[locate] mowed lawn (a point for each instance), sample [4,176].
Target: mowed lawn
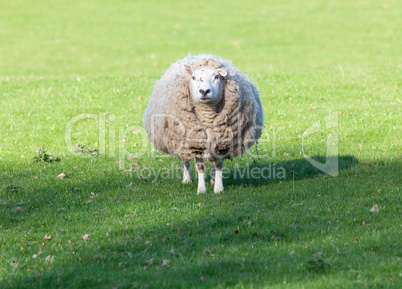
[75,78]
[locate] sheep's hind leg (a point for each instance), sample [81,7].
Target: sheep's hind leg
[199,163]
[187,173]
[218,186]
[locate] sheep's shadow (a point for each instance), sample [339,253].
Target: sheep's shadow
[262,172]
[243,172]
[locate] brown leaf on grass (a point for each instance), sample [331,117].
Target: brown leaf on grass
[165,263]
[62,176]
[88,202]
[19,209]
[374,209]
[85,237]
[47,237]
[36,255]
[50,259]
[179,230]
[132,168]
[105,172]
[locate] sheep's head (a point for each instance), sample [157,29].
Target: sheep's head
[206,83]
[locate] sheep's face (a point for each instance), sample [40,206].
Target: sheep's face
[206,83]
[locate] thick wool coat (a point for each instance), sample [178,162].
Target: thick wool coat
[178,125]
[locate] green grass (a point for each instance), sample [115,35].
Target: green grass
[309,59]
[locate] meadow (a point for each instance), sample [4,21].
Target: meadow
[75,78]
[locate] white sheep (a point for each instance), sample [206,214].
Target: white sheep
[204,108]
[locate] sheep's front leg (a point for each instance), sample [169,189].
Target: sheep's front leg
[199,163]
[187,173]
[217,167]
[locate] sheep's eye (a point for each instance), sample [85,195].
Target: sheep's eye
[216,76]
[193,77]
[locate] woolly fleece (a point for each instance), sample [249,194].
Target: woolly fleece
[178,125]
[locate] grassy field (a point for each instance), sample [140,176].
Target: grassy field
[81,72]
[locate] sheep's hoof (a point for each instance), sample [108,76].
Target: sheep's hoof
[187,181]
[218,190]
[212,181]
[201,191]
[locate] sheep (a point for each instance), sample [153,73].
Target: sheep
[204,108]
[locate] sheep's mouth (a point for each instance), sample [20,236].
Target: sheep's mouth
[204,99]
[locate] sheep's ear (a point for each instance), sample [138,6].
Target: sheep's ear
[188,68]
[222,72]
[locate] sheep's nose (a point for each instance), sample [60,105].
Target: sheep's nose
[205,92]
